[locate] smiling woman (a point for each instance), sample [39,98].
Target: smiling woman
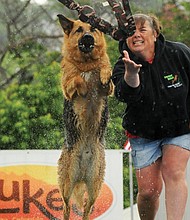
[148,78]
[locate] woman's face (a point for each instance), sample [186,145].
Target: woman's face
[143,40]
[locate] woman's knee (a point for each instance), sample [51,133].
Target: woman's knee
[150,190]
[172,169]
[172,173]
[149,182]
[150,194]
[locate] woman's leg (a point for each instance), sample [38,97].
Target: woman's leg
[149,188]
[174,162]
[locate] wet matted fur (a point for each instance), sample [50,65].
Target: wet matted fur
[86,84]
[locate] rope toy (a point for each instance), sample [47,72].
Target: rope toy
[126,24]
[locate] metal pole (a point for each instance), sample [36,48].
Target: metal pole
[131,184]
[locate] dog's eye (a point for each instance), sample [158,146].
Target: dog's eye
[80,29]
[92,29]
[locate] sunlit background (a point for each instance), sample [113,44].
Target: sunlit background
[41,2]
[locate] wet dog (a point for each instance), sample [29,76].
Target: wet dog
[86,84]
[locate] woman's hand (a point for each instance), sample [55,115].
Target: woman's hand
[130,66]
[131,71]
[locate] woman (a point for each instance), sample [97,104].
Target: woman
[153,78]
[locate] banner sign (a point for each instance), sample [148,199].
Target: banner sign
[29,189]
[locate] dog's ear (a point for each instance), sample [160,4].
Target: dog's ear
[66,24]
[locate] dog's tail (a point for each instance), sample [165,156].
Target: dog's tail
[79,195]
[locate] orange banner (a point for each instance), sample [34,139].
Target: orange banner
[30,192]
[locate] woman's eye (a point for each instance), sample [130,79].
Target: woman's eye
[143,30]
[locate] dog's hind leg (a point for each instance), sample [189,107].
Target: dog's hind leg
[66,209]
[88,207]
[66,189]
[93,192]
[66,195]
[95,179]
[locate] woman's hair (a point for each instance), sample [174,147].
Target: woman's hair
[152,19]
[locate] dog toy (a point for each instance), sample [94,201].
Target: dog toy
[126,24]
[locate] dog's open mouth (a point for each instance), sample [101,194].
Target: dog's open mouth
[86,43]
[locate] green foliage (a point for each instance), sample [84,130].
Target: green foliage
[31,114]
[176,24]
[31,110]
[112,50]
[115,137]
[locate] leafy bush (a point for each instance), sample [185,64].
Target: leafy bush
[31,114]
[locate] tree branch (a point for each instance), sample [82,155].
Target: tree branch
[8,80]
[21,11]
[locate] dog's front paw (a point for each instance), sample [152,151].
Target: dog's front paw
[81,87]
[105,75]
[108,88]
[76,86]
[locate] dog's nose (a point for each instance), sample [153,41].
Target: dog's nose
[86,43]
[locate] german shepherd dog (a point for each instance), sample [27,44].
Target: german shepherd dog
[86,83]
